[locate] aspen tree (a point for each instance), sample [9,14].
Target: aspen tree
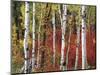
[77,40]
[63,26]
[39,37]
[33,50]
[77,47]
[26,51]
[54,31]
[69,38]
[83,35]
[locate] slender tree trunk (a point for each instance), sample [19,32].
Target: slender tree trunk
[63,26]
[39,33]
[83,35]
[77,47]
[67,54]
[78,21]
[33,50]
[54,31]
[26,51]
[38,54]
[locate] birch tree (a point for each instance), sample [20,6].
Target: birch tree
[33,50]
[54,30]
[39,33]
[78,39]
[83,35]
[26,51]
[67,54]
[70,23]
[77,47]
[63,26]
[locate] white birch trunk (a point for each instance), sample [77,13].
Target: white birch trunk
[54,31]
[33,50]
[26,36]
[63,26]
[83,35]
[77,47]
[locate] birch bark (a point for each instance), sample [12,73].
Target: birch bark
[33,50]
[54,31]
[83,35]
[63,27]
[26,51]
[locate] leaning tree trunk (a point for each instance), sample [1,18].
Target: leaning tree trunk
[53,23]
[33,50]
[26,51]
[83,35]
[63,26]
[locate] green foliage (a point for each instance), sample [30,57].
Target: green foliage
[91,17]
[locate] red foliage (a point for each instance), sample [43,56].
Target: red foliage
[90,46]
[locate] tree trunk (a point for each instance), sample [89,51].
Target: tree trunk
[69,39]
[63,26]
[33,50]
[26,51]
[77,47]
[83,35]
[54,31]
[78,19]
[39,35]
